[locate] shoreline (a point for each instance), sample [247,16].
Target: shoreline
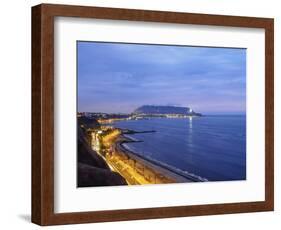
[160,155]
[159,168]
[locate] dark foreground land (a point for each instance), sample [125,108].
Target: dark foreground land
[92,170]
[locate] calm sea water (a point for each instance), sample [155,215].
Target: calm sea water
[212,147]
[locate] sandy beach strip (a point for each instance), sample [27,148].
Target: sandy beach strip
[159,168]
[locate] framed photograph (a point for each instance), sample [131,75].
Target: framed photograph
[142,114]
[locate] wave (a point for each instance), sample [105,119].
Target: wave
[171,168]
[130,137]
[128,148]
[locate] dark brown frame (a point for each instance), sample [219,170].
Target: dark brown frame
[43,113]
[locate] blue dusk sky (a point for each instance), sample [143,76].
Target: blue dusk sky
[119,77]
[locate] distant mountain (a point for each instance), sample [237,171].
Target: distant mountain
[159,109]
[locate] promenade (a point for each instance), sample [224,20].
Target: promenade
[133,168]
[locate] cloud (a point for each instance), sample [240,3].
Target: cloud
[126,75]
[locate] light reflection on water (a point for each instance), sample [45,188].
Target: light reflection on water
[211,147]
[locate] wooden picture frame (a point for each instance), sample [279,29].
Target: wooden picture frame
[43,113]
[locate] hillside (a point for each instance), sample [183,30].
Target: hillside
[159,109]
[92,170]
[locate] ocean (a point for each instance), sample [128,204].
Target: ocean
[209,147]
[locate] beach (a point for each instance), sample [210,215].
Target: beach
[193,147]
[134,167]
[173,150]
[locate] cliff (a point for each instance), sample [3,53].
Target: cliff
[92,170]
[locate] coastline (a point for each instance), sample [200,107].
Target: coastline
[119,145]
[150,169]
[176,173]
